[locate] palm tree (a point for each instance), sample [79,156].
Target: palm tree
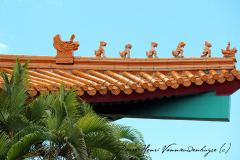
[79,134]
[57,126]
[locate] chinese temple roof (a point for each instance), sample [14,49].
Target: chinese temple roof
[152,87]
[105,79]
[111,79]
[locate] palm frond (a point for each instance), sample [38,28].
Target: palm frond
[128,133]
[92,123]
[50,99]
[106,142]
[71,107]
[16,123]
[101,154]
[85,108]
[24,68]
[70,97]
[75,152]
[35,110]
[4,141]
[18,97]
[4,105]
[62,91]
[21,70]
[19,75]
[7,86]
[56,116]
[25,143]
[29,130]
[77,143]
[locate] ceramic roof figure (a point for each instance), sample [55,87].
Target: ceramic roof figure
[207,50]
[152,51]
[229,52]
[101,50]
[65,49]
[179,50]
[126,51]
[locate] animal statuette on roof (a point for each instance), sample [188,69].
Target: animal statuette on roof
[126,51]
[65,49]
[229,52]
[207,50]
[101,50]
[152,51]
[179,50]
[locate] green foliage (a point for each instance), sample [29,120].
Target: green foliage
[55,126]
[4,141]
[12,99]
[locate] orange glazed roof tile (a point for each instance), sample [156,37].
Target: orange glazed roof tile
[105,79]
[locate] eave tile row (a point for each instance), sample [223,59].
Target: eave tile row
[92,81]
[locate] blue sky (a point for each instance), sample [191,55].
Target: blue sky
[28,27]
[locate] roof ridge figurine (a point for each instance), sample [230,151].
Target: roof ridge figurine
[152,51]
[229,52]
[179,50]
[207,50]
[126,51]
[65,49]
[101,50]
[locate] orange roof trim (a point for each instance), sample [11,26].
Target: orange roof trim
[93,81]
